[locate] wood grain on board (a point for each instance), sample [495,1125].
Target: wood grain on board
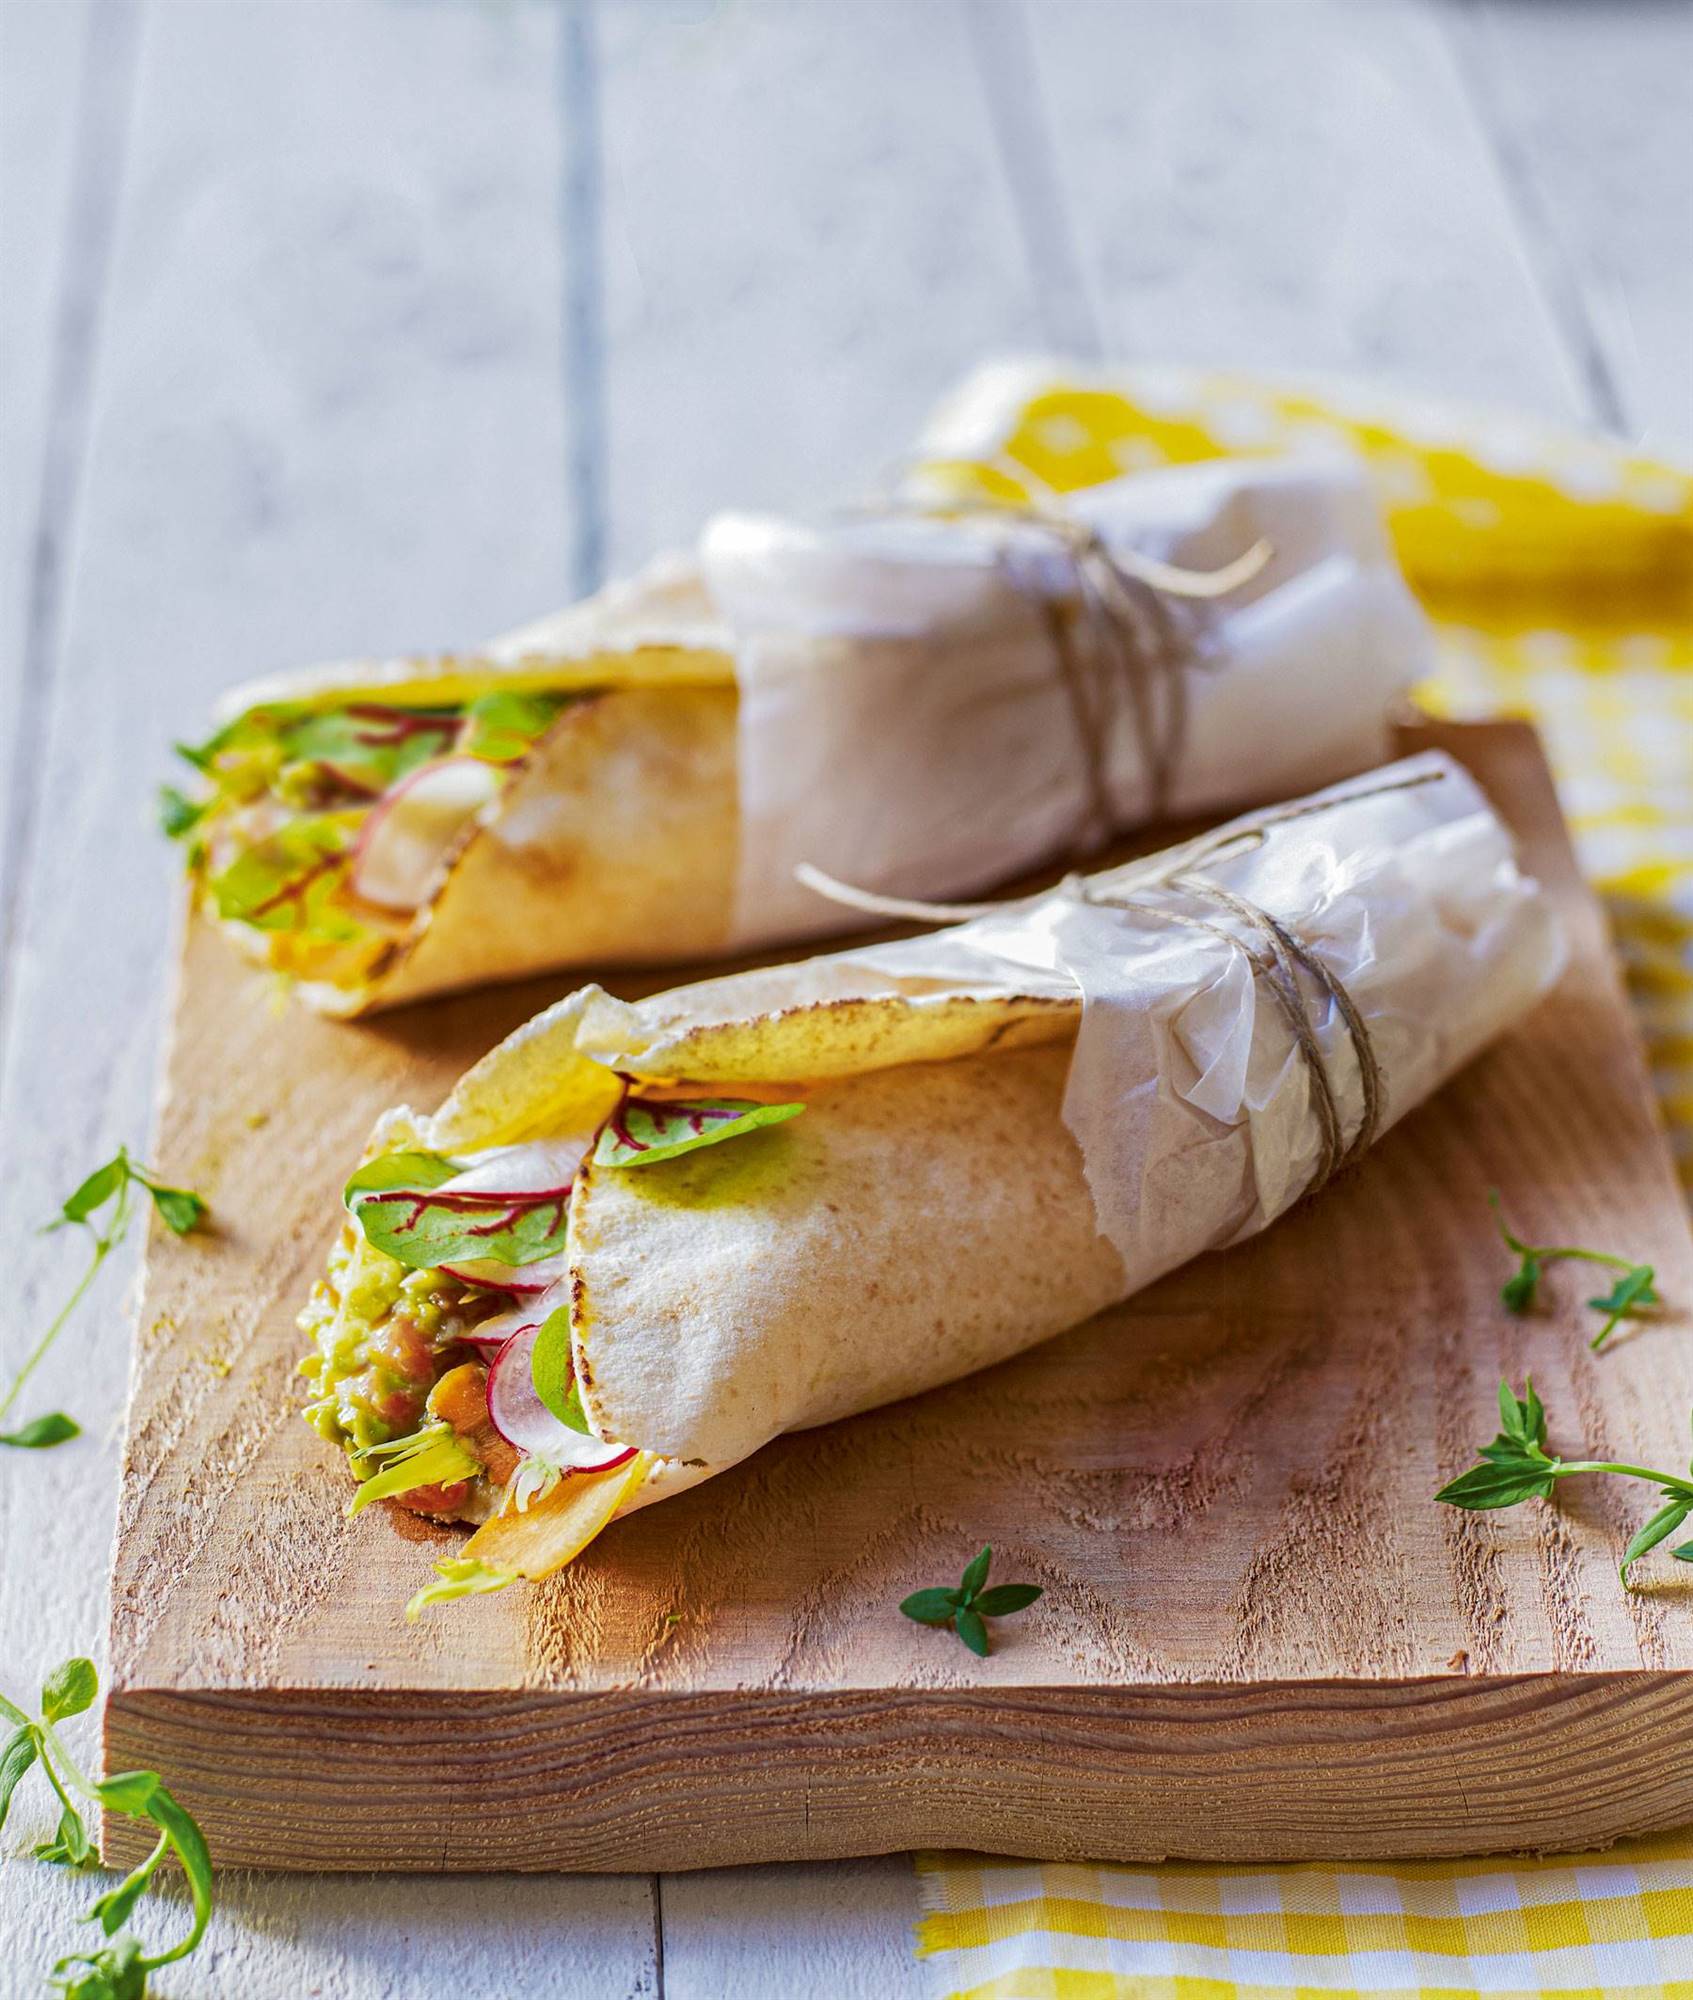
[1260,1636]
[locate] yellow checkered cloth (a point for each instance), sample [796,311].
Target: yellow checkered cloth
[1559,572]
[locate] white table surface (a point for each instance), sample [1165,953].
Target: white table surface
[331,326]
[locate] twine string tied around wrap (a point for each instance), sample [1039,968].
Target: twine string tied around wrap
[1276,952]
[1138,651]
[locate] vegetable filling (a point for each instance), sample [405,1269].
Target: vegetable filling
[443,1359]
[326,828]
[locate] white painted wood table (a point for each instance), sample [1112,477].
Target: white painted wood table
[366,326]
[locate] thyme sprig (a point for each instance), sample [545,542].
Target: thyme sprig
[965,1608]
[1516,1466]
[117,1969]
[101,1205]
[1629,1296]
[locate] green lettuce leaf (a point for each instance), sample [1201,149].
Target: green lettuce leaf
[554,1373]
[641,1132]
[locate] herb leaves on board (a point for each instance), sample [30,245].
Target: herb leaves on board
[965,1608]
[644,1131]
[1516,1466]
[117,1969]
[101,1205]
[1631,1293]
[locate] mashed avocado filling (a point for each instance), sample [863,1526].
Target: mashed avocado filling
[292,792]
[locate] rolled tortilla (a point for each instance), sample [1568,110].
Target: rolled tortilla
[886,698]
[1008,1125]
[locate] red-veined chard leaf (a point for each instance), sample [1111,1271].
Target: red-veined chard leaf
[644,1131]
[288,881]
[423,1222]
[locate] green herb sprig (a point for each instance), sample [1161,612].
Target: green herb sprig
[101,1205]
[1517,1466]
[117,1969]
[965,1608]
[1631,1293]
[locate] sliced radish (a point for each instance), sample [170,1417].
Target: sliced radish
[525,1280]
[522,1419]
[488,1336]
[411,829]
[531,1172]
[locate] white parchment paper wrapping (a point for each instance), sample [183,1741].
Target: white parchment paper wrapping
[1187,1092]
[904,723]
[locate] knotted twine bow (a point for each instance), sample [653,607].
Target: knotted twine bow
[1282,955]
[1138,646]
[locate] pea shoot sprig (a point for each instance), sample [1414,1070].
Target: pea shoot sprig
[1517,1466]
[1629,1296]
[117,1969]
[101,1205]
[965,1608]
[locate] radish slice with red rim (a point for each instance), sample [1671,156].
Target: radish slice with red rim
[523,1420]
[412,829]
[526,1280]
[534,1171]
[490,1335]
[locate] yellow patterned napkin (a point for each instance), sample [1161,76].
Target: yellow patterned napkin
[1559,572]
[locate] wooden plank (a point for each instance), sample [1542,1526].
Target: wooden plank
[807,240]
[329,417]
[1224,1486]
[1588,111]
[1307,191]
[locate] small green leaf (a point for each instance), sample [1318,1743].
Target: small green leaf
[1005,1598]
[97,1189]
[179,814]
[21,1749]
[70,1846]
[461,1576]
[181,1209]
[1494,1485]
[1519,1289]
[69,1689]
[130,1792]
[932,1607]
[117,1971]
[1627,1296]
[969,1627]
[1662,1525]
[644,1132]
[1684,1553]
[40,1432]
[554,1372]
[112,1909]
[975,1573]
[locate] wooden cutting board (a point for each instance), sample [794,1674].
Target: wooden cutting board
[1261,1638]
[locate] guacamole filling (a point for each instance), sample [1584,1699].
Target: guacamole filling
[322,829]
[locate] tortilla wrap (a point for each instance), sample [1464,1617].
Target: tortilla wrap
[1008,1125]
[887,698]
